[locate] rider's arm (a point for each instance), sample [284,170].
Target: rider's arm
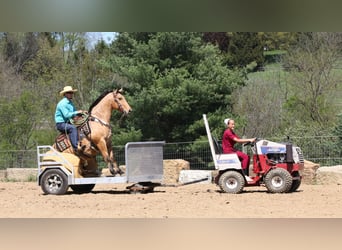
[245,140]
[67,109]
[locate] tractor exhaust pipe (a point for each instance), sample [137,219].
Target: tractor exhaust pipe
[289,154]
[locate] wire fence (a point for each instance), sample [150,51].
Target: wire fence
[322,150]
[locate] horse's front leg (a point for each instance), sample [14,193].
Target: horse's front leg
[108,158]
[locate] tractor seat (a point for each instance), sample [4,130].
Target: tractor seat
[217,146]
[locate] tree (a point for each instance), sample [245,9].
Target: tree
[19,118]
[19,48]
[314,81]
[172,79]
[221,39]
[245,48]
[259,107]
[43,72]
[278,40]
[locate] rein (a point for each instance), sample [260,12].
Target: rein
[79,119]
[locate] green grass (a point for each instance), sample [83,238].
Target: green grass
[274,52]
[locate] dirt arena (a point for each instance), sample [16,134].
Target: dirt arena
[26,200]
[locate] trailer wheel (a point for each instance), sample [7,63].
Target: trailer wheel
[295,183]
[54,181]
[231,182]
[278,180]
[82,188]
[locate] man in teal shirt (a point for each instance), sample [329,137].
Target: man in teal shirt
[66,110]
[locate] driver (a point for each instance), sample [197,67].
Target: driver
[229,138]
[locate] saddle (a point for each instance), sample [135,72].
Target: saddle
[83,129]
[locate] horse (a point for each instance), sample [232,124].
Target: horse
[98,137]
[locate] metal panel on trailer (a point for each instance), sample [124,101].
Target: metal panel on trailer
[144,161]
[99,180]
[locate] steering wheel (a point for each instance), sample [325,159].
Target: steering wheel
[251,143]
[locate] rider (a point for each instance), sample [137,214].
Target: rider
[65,110]
[229,138]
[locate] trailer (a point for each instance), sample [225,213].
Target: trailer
[57,172]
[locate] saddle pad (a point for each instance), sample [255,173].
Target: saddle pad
[62,142]
[84,129]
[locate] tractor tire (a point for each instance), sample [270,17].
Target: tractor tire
[231,182]
[82,188]
[278,180]
[295,183]
[54,181]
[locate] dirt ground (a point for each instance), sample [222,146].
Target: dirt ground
[26,200]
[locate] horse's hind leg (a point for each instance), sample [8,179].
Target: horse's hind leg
[107,155]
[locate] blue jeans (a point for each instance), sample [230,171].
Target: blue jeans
[69,129]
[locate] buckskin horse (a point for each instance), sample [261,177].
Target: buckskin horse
[95,133]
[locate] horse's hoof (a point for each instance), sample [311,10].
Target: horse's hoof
[120,171]
[116,171]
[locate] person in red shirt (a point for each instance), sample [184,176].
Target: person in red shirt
[229,139]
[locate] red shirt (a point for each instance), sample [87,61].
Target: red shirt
[228,141]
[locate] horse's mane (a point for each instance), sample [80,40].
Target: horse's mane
[99,99]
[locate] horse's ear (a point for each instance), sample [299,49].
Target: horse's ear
[116,91]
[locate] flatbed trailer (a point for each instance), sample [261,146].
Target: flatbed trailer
[58,171]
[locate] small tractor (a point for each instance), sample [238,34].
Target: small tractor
[275,165]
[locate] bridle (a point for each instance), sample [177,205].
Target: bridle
[121,109]
[118,102]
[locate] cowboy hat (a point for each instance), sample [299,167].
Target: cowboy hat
[67,89]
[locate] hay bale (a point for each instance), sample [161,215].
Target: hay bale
[172,169]
[309,172]
[188,176]
[329,175]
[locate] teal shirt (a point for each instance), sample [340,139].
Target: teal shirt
[65,110]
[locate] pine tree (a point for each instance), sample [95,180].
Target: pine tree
[245,48]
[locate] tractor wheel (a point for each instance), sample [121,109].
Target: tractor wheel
[231,182]
[82,188]
[295,183]
[54,181]
[278,180]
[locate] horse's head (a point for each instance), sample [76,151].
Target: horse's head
[120,102]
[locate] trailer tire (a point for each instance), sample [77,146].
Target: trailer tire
[295,183]
[278,180]
[54,181]
[231,182]
[82,188]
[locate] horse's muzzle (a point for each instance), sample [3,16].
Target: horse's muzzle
[126,112]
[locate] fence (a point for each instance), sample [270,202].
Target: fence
[322,150]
